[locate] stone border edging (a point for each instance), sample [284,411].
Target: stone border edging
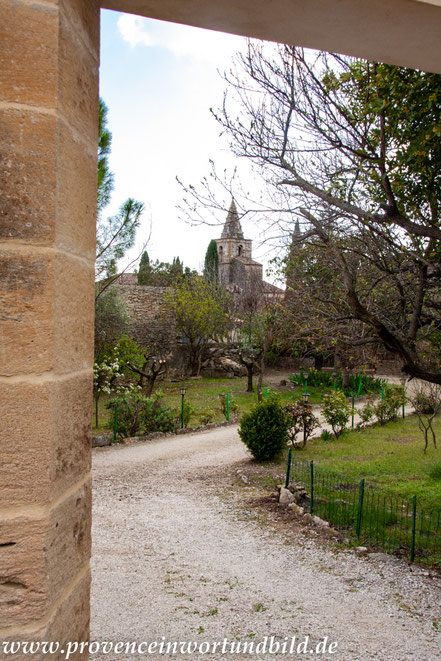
[106,441]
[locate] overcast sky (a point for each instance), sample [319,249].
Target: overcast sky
[159,81]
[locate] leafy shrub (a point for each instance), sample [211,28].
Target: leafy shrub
[156,416]
[326,435]
[264,430]
[387,409]
[138,414]
[301,420]
[366,413]
[189,412]
[361,384]
[234,407]
[336,411]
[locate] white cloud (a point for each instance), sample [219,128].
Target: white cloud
[181,40]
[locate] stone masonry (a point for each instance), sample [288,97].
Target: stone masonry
[151,323]
[48,136]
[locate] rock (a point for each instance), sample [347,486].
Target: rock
[385,557]
[361,550]
[101,441]
[295,508]
[286,497]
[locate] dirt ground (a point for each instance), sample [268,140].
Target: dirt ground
[189,547]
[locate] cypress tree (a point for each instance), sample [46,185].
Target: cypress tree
[211,264]
[144,269]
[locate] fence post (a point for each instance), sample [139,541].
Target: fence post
[266,393]
[288,468]
[311,509]
[412,547]
[353,410]
[360,507]
[115,421]
[228,407]
[382,394]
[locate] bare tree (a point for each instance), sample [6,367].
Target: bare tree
[352,149]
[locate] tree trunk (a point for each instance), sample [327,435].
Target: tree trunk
[260,378]
[250,377]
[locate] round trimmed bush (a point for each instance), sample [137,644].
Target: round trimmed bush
[264,430]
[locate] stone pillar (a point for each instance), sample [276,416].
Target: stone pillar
[48,136]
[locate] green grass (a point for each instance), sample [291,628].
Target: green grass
[390,457]
[203,394]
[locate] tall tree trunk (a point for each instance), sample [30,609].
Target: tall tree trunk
[250,377]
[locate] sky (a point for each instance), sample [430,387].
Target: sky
[159,81]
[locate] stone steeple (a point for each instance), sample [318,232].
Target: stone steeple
[232,228]
[236,265]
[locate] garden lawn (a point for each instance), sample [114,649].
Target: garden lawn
[203,395]
[389,456]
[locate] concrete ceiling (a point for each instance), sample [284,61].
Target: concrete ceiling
[404,32]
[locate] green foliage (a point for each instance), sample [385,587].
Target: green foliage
[211,263]
[366,413]
[233,405]
[336,411]
[189,411]
[434,472]
[360,384]
[326,435]
[301,420]
[137,415]
[144,269]
[386,410]
[206,416]
[115,235]
[200,308]
[105,177]
[264,430]
[162,274]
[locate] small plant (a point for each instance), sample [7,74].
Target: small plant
[138,414]
[301,420]
[233,406]
[387,409]
[336,411]
[366,413]
[326,435]
[427,404]
[264,430]
[189,411]
[206,417]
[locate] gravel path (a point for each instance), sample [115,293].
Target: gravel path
[174,558]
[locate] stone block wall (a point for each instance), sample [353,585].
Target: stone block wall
[151,322]
[48,135]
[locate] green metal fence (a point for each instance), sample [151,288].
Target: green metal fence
[368,513]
